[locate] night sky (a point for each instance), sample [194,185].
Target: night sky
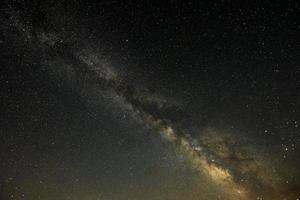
[149,100]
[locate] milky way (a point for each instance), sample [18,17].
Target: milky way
[214,162]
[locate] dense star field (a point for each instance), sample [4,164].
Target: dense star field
[170,100]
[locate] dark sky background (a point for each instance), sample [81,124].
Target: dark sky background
[170,100]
